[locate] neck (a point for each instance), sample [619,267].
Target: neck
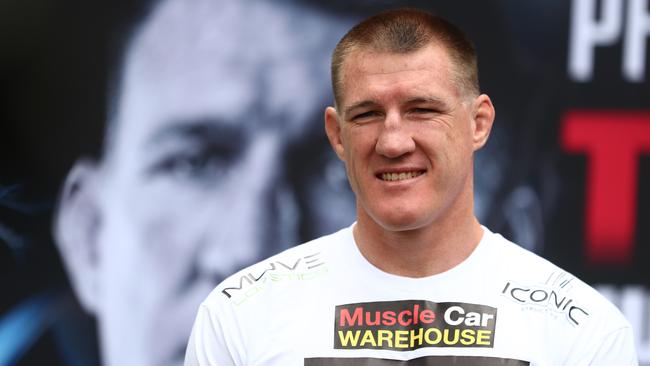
[424,251]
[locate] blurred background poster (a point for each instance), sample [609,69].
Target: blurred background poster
[149,149]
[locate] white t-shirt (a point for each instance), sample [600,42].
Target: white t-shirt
[323,304]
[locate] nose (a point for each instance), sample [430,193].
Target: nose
[394,139]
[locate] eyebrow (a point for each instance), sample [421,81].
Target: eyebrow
[362,104]
[417,100]
[200,129]
[430,100]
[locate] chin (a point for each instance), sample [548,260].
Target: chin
[400,221]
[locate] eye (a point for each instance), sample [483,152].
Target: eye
[364,115]
[423,110]
[201,166]
[422,113]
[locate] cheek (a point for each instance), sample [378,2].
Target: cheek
[448,151]
[360,140]
[359,145]
[150,237]
[165,223]
[350,170]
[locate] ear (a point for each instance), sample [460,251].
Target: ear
[76,227]
[483,117]
[333,130]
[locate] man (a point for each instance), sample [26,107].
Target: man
[416,280]
[204,171]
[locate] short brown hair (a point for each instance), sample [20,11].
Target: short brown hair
[405,31]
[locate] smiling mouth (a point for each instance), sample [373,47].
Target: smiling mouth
[393,177]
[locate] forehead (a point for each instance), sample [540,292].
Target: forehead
[367,72]
[235,62]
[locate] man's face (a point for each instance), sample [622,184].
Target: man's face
[202,179]
[406,137]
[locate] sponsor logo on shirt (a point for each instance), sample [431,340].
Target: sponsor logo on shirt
[550,297]
[248,284]
[421,361]
[411,324]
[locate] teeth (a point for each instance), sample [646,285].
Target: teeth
[399,176]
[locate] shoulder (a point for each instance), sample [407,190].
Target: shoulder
[283,272]
[533,281]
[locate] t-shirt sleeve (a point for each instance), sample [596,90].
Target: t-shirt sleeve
[209,342]
[616,349]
